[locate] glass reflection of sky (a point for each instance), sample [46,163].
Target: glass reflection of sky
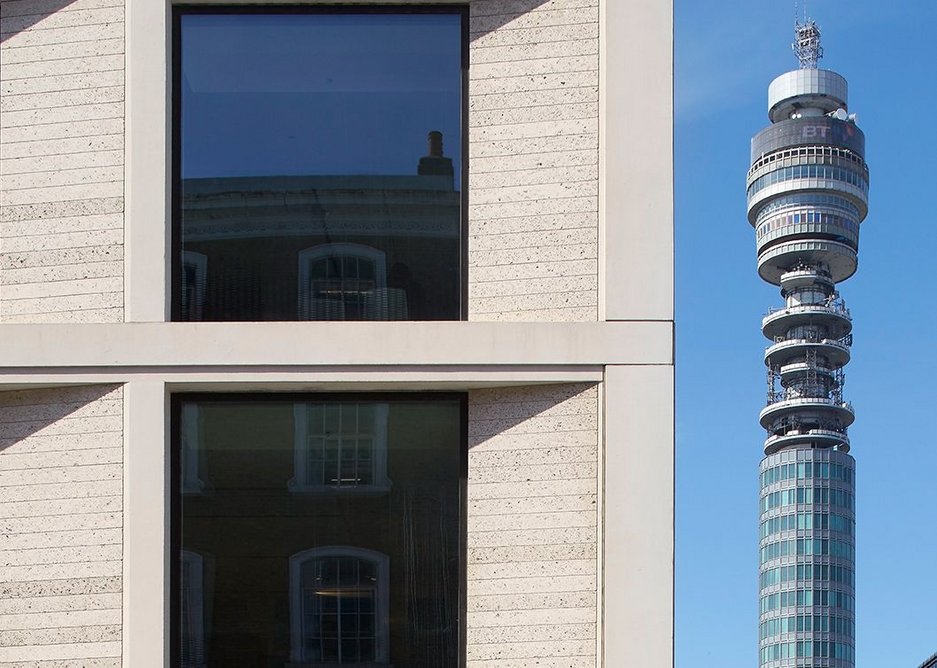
[296,94]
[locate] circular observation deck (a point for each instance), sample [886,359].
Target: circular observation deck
[834,317]
[818,438]
[807,409]
[788,351]
[839,258]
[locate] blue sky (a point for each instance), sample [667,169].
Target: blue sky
[726,54]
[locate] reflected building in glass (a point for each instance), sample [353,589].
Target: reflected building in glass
[807,194]
[372,247]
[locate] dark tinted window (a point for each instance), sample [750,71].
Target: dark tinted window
[318,531]
[318,165]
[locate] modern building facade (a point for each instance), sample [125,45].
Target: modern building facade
[807,194]
[336,334]
[930,663]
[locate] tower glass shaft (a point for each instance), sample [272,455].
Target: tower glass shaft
[807,195]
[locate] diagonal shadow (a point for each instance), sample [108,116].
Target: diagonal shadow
[498,411]
[487,16]
[19,15]
[23,413]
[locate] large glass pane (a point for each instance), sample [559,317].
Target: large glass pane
[319,165]
[275,569]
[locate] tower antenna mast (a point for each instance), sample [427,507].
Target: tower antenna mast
[806,44]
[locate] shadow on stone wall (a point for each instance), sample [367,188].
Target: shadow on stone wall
[23,413]
[19,15]
[487,16]
[550,412]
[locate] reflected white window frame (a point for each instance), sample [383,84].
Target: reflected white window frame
[381,608]
[191,483]
[337,250]
[299,482]
[200,262]
[193,612]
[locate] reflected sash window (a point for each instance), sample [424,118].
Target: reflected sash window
[339,606]
[341,446]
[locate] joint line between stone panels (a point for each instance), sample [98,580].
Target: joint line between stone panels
[43,252]
[547,448]
[481,126]
[43,141]
[48,234]
[518,642]
[516,154]
[526,280]
[482,235]
[33,30]
[538,511]
[506,28]
[529,433]
[64,75]
[69,417]
[476,172]
[528,60]
[590,604]
[533,11]
[18,221]
[40,142]
[15,301]
[528,497]
[527,531]
[120,179]
[42,61]
[53,612]
[56,498]
[76,73]
[62,123]
[65,170]
[72,248]
[494,77]
[58,531]
[70,514]
[73,402]
[585,462]
[512,186]
[532,91]
[69,153]
[64,10]
[526,201]
[68,467]
[527,77]
[63,90]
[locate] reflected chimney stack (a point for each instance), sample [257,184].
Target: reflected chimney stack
[434,139]
[434,163]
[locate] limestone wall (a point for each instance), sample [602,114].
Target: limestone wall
[61,161]
[61,527]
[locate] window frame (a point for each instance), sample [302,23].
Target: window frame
[175,219]
[175,460]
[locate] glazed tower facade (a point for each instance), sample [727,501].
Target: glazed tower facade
[807,195]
